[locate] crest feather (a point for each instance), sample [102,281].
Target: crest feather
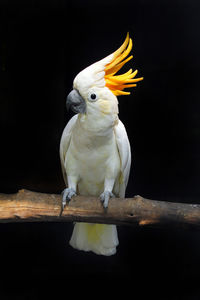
[117,83]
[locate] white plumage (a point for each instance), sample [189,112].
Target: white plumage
[94,150]
[89,156]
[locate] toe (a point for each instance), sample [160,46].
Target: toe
[63,204]
[67,194]
[71,194]
[106,199]
[105,196]
[64,196]
[102,197]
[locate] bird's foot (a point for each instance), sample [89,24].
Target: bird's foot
[105,196]
[67,194]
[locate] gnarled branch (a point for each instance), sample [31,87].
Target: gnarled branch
[28,206]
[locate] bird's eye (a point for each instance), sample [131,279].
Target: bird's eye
[92,96]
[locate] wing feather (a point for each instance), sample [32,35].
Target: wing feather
[64,143]
[125,155]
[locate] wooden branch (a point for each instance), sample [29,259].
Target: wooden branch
[27,206]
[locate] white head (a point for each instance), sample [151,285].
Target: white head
[96,87]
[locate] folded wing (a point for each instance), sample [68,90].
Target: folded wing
[125,155]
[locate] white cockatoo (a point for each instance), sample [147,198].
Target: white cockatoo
[94,149]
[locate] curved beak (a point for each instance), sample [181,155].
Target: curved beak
[76,102]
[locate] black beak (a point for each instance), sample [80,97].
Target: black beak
[76,102]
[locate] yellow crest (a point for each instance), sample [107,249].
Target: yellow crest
[117,83]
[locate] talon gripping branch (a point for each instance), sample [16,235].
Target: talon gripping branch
[94,150]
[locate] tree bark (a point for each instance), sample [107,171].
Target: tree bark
[28,206]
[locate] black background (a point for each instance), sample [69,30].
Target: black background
[43,45]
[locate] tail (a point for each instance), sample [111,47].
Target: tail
[100,238]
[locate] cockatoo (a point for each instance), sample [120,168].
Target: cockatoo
[94,149]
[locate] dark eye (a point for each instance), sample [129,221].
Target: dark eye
[92,96]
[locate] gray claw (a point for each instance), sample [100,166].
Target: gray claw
[67,194]
[105,196]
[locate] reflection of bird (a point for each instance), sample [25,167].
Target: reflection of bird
[94,150]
